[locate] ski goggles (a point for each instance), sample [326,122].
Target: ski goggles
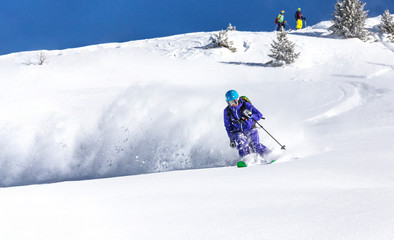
[233,102]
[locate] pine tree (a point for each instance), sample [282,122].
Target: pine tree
[221,40]
[349,19]
[231,27]
[282,50]
[387,24]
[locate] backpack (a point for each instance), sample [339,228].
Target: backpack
[246,99]
[276,20]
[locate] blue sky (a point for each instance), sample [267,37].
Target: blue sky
[59,24]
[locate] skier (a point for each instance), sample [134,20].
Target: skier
[239,118]
[299,17]
[280,20]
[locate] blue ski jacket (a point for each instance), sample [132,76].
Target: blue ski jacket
[233,118]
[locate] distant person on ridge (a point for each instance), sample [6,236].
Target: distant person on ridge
[299,17]
[280,21]
[239,119]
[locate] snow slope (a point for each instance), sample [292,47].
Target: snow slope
[157,105]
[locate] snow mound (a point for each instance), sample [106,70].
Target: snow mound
[157,105]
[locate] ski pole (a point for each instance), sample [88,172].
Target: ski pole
[283,147]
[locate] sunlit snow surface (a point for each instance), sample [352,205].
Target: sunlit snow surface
[157,105]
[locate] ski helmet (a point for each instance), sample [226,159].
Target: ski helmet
[299,9]
[231,95]
[283,11]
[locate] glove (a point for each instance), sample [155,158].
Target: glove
[233,143]
[304,18]
[248,113]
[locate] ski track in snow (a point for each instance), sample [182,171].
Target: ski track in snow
[349,100]
[357,95]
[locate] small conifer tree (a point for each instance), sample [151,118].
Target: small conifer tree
[221,40]
[349,19]
[231,27]
[387,24]
[282,50]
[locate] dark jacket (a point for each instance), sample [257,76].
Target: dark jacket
[298,15]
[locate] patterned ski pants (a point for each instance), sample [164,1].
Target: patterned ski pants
[250,143]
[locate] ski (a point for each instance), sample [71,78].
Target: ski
[242,164]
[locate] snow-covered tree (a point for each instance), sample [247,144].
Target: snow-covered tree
[39,59]
[387,24]
[349,19]
[231,27]
[282,50]
[42,58]
[221,40]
